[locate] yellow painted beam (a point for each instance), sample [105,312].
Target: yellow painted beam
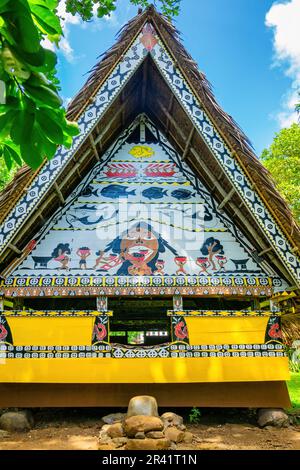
[144,370]
[230,330]
[47,331]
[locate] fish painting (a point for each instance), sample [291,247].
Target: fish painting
[181,194]
[154,193]
[88,215]
[115,191]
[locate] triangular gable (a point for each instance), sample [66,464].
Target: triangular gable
[141,212]
[146,43]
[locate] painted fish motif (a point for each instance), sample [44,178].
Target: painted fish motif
[181,194]
[115,191]
[86,214]
[154,193]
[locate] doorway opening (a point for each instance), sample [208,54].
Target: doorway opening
[140,321]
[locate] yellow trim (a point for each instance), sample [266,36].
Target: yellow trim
[145,370]
[226,330]
[48,331]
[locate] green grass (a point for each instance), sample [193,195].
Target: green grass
[294,390]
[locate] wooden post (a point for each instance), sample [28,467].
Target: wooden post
[177,303]
[101,303]
[274,306]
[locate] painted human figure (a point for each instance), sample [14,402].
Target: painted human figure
[203,263]
[83,253]
[160,264]
[139,247]
[180,261]
[222,260]
[60,254]
[104,263]
[139,250]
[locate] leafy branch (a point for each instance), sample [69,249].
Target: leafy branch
[32,119]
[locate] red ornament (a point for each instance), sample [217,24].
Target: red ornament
[274,331]
[148,39]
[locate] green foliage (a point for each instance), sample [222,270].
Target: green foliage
[294,390]
[293,355]
[194,416]
[32,120]
[282,159]
[105,7]
[6,174]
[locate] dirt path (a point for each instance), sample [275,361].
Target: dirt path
[67,430]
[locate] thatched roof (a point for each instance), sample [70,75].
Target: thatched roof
[227,127]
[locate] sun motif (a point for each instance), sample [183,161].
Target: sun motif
[141,151]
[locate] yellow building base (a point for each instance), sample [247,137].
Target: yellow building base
[145,370]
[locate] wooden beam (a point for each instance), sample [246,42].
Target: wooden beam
[226,199]
[267,250]
[145,82]
[94,147]
[168,111]
[106,128]
[14,248]
[188,143]
[59,193]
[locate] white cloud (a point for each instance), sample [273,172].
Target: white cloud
[67,20]
[284,18]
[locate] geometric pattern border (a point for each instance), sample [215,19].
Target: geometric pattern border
[54,313]
[222,313]
[173,350]
[140,281]
[255,291]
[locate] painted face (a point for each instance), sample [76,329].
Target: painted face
[139,246]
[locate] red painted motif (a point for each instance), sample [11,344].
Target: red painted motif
[121,170]
[181,330]
[100,331]
[3,332]
[275,331]
[160,170]
[148,39]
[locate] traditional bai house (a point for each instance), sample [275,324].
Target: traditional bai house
[152,257]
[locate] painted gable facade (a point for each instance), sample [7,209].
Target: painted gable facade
[143,224]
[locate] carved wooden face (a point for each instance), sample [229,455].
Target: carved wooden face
[139,245]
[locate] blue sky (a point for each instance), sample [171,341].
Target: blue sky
[245,47]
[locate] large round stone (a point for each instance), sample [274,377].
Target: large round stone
[115,430]
[174,434]
[144,424]
[272,417]
[142,405]
[16,421]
